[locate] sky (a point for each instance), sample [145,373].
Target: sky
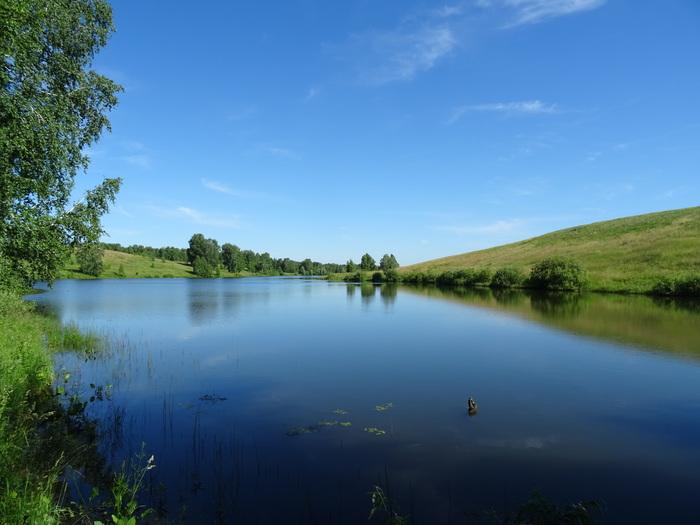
[325,130]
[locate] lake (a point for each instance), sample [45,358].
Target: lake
[280,400]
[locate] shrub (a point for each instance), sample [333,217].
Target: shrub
[202,268]
[507,277]
[664,286]
[558,273]
[689,287]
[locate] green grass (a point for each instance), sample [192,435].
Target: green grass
[125,265]
[26,373]
[622,255]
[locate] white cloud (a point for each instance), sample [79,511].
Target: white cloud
[493,228]
[142,161]
[220,187]
[207,219]
[314,91]
[414,46]
[535,11]
[195,216]
[527,107]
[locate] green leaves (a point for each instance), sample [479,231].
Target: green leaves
[52,106]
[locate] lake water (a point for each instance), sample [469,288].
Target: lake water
[277,400]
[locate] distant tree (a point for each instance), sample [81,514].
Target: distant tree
[89,257]
[350,266]
[202,268]
[231,257]
[306,267]
[264,264]
[367,263]
[52,109]
[205,248]
[388,262]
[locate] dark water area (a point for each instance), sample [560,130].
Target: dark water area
[273,400]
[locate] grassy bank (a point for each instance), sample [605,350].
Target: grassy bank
[119,265]
[26,375]
[623,255]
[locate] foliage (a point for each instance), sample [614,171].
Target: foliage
[26,373]
[207,249]
[388,262]
[350,266]
[385,507]
[539,511]
[507,277]
[52,108]
[367,263]
[231,257]
[558,273]
[202,268]
[126,485]
[89,257]
[678,286]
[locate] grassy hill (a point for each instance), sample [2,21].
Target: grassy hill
[126,265]
[628,254]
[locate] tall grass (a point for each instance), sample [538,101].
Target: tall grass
[26,373]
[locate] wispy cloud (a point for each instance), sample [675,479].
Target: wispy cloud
[191,215]
[528,107]
[220,187]
[493,228]
[313,92]
[414,46]
[207,219]
[536,11]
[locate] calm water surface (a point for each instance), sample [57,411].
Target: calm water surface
[582,397]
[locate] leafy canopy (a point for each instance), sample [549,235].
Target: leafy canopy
[52,107]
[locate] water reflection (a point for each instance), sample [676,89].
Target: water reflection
[669,325]
[309,393]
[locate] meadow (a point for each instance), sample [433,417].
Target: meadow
[630,254]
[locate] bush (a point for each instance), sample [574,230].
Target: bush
[507,277]
[202,268]
[664,286]
[689,287]
[685,287]
[558,273]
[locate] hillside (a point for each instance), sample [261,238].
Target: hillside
[628,254]
[119,264]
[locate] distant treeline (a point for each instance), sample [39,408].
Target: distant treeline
[206,256]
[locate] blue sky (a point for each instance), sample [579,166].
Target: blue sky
[325,129]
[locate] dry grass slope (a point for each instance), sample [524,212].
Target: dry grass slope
[628,254]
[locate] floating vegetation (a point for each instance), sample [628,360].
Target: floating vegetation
[212,398]
[298,431]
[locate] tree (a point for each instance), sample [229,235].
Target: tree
[388,262]
[231,257]
[89,257]
[202,268]
[350,266]
[367,263]
[52,108]
[208,249]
